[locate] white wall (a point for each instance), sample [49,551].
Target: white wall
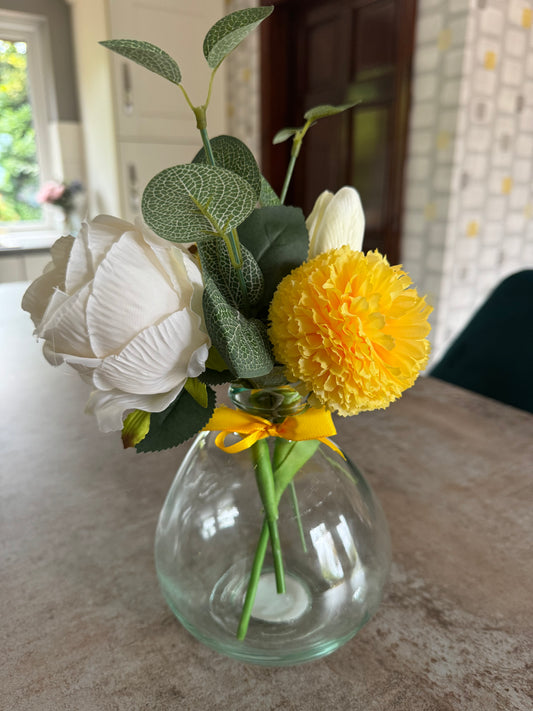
[244,86]
[468,218]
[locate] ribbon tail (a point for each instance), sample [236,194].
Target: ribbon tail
[332,446]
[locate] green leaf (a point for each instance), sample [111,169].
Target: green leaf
[135,428]
[197,389]
[215,360]
[234,155]
[229,32]
[216,262]
[243,343]
[216,377]
[148,56]
[190,203]
[284,134]
[181,420]
[324,110]
[278,239]
[267,196]
[297,455]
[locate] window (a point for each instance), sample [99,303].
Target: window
[27,103]
[19,167]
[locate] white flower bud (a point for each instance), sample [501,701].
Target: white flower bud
[336,220]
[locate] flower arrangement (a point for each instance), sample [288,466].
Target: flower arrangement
[221,282]
[62,195]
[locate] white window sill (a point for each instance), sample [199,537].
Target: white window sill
[27,241]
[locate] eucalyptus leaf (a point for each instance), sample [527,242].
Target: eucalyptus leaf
[216,262]
[243,343]
[234,155]
[267,196]
[324,110]
[192,202]
[284,134]
[181,420]
[229,32]
[148,56]
[278,239]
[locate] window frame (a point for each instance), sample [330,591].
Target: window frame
[33,30]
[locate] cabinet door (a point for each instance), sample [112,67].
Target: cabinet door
[139,162]
[148,106]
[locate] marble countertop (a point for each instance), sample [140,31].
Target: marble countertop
[84,626]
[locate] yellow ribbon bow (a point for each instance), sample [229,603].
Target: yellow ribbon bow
[311,424]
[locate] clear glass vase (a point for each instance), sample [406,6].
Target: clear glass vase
[211,537]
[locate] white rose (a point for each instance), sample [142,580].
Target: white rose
[336,220]
[124,308]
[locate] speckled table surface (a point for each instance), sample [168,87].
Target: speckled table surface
[84,626]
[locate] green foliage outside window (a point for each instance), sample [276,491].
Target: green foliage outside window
[19,169]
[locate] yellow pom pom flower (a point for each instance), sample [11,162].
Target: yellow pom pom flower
[351,329]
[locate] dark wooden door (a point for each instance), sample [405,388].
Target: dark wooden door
[334,52]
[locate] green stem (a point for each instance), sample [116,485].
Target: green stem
[288,176]
[265,483]
[296,509]
[187,98]
[209,90]
[207,146]
[257,567]
[295,151]
[291,456]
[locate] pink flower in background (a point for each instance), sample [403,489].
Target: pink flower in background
[50,192]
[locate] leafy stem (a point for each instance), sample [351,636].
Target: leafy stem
[207,146]
[311,116]
[210,88]
[251,591]
[267,490]
[232,241]
[187,97]
[288,460]
[295,151]
[200,113]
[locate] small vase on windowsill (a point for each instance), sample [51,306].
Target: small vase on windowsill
[66,222]
[211,540]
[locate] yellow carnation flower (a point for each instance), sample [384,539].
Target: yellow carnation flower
[350,329]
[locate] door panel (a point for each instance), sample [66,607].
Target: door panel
[339,51]
[371,156]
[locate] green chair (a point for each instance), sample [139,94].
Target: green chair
[493,355]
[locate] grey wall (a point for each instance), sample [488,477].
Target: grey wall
[58,14]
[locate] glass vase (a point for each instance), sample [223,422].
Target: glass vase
[212,540]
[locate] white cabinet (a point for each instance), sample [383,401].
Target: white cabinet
[23,266]
[155,126]
[146,104]
[135,122]
[140,161]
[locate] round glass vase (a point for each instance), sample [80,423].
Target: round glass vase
[211,540]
